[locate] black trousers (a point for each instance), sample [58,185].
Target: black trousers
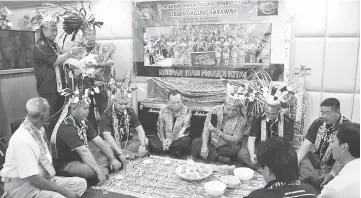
[227,150]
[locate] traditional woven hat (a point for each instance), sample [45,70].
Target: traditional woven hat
[50,20]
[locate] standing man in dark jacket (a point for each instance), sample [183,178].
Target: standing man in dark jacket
[47,58]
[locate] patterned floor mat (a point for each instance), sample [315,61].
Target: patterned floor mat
[153,178]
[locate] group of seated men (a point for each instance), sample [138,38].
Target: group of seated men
[29,166]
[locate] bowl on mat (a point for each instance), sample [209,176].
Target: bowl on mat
[230,180]
[215,188]
[243,173]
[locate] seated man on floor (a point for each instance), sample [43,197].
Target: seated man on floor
[121,128]
[69,143]
[28,171]
[222,134]
[278,161]
[314,155]
[272,123]
[173,127]
[346,151]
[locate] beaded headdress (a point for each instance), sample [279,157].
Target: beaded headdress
[259,92]
[78,98]
[121,91]
[50,20]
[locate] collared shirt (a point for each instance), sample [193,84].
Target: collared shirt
[69,137]
[232,126]
[345,184]
[272,128]
[321,135]
[22,157]
[170,125]
[283,191]
[106,121]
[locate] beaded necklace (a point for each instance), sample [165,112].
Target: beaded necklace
[59,84]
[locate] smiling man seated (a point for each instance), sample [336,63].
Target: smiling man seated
[220,140]
[70,143]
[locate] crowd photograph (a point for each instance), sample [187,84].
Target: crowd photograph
[230,45]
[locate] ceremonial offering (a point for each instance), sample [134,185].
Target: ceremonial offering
[193,172]
[230,180]
[244,174]
[157,180]
[215,188]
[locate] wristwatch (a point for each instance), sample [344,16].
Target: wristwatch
[142,143]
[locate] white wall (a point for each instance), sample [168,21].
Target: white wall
[326,40]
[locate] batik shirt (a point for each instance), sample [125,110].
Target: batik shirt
[169,125]
[321,135]
[235,125]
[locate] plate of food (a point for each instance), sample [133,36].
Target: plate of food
[193,172]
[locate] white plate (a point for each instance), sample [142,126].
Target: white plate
[167,162]
[180,167]
[148,161]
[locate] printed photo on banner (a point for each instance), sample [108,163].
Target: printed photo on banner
[202,39]
[213,45]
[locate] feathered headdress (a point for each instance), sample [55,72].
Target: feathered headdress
[75,20]
[121,91]
[257,92]
[77,98]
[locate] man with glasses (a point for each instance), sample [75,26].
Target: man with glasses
[315,151]
[173,127]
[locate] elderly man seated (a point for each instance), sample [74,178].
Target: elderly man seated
[173,127]
[70,143]
[28,171]
[222,132]
[272,123]
[315,156]
[121,128]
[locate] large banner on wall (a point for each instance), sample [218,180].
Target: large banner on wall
[204,39]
